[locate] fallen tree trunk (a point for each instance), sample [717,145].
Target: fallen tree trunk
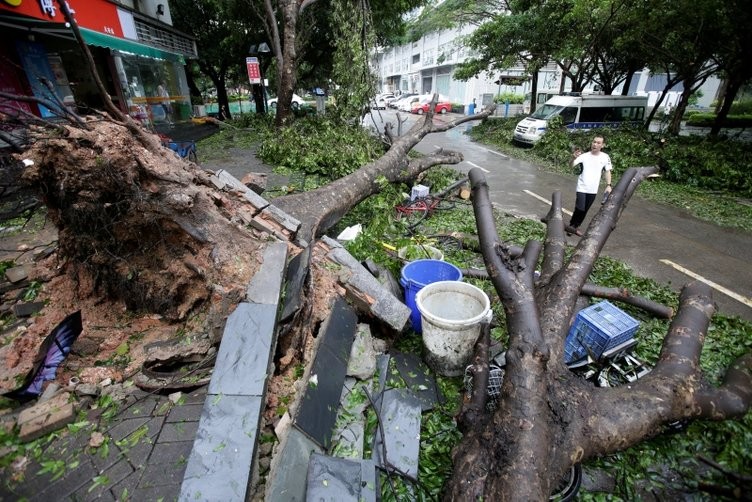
[547,417]
[318,210]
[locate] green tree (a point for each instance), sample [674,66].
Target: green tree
[292,27]
[682,37]
[732,55]
[223,34]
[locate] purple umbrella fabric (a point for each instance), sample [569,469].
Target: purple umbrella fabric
[52,352]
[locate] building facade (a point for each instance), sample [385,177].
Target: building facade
[427,66]
[133,44]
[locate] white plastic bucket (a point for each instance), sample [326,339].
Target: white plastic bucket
[420,252]
[451,314]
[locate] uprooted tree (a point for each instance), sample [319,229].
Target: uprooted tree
[138,223]
[548,418]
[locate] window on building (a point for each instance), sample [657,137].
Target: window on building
[416,58]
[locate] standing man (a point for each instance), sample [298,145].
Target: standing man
[594,163]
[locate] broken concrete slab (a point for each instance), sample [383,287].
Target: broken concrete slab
[317,410]
[245,354]
[43,418]
[349,435]
[418,378]
[219,465]
[400,416]
[297,271]
[287,478]
[266,285]
[26,309]
[382,303]
[362,363]
[17,274]
[331,478]
[228,180]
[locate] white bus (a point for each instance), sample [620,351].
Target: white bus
[582,112]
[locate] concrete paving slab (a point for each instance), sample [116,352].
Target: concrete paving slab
[266,285]
[400,419]
[287,479]
[186,412]
[331,478]
[171,455]
[245,351]
[318,408]
[177,431]
[100,490]
[220,462]
[71,481]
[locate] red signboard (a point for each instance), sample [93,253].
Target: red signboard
[254,70]
[97,15]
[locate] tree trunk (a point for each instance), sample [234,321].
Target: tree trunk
[548,418]
[730,91]
[288,62]
[320,209]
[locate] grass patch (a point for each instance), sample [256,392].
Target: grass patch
[704,177]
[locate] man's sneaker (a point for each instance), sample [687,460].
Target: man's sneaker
[569,229]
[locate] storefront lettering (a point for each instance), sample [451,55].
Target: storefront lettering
[48,7]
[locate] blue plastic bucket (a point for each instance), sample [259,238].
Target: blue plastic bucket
[420,273]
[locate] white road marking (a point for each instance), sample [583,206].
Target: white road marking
[476,165]
[497,153]
[736,296]
[541,198]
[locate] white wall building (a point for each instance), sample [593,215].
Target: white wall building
[427,66]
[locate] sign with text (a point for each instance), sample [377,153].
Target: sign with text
[97,15]
[254,70]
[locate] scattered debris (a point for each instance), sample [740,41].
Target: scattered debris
[43,418]
[51,353]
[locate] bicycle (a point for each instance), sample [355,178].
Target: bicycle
[415,211]
[184,149]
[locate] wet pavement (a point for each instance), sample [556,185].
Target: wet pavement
[149,442]
[663,243]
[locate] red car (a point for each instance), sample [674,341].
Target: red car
[423,106]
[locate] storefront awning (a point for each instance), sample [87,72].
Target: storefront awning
[121,44]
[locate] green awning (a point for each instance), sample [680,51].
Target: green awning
[120,44]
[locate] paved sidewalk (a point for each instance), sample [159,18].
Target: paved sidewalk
[144,455]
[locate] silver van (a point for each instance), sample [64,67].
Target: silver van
[582,112]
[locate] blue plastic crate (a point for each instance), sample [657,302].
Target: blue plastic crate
[597,329]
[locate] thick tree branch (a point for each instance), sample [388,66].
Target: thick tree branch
[474,411]
[560,295]
[555,243]
[625,296]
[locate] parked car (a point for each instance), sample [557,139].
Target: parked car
[379,102]
[398,102]
[390,98]
[424,105]
[297,102]
[406,104]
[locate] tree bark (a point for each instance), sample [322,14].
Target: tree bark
[320,209]
[548,418]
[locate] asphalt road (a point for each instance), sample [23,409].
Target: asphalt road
[660,242]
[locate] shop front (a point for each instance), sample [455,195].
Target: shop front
[40,57]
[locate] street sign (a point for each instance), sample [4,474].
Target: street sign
[254,70]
